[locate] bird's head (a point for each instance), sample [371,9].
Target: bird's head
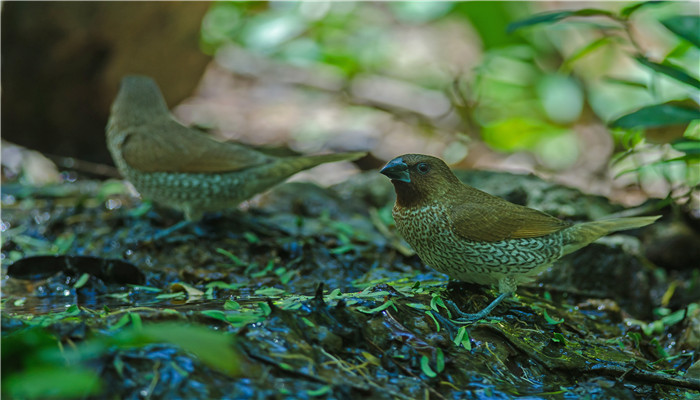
[139,100]
[419,179]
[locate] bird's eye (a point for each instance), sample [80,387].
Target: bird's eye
[423,168]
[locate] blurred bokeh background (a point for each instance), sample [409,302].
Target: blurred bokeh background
[602,96]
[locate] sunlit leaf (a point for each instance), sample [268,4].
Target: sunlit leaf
[657,115]
[556,16]
[518,133]
[220,25]
[561,98]
[685,26]
[421,11]
[425,367]
[673,71]
[267,31]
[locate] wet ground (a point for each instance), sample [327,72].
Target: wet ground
[308,293]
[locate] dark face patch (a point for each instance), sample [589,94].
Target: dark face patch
[425,178]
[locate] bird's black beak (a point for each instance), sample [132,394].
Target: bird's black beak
[397,170]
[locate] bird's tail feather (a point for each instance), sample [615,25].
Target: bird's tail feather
[296,164]
[284,167]
[581,235]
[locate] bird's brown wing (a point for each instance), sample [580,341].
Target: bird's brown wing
[491,221]
[168,146]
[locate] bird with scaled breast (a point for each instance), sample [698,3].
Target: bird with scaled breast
[476,237]
[184,168]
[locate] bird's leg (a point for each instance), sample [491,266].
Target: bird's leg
[465,317]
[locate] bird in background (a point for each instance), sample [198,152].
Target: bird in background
[476,237]
[184,168]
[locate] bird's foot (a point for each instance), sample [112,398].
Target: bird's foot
[467,318]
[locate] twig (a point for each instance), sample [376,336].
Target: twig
[636,374]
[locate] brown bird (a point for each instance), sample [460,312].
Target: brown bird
[475,237]
[184,168]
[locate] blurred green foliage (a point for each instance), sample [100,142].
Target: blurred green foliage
[631,66]
[38,366]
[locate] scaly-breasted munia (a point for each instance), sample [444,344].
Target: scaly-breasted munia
[475,237]
[184,168]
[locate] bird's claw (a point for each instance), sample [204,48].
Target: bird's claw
[468,318]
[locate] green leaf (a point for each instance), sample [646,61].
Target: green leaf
[231,305]
[437,324]
[627,11]
[265,308]
[685,26]
[519,133]
[554,17]
[551,320]
[636,337]
[670,70]
[53,381]
[440,361]
[656,116]
[687,146]
[375,310]
[251,237]
[436,301]
[346,248]
[211,347]
[123,321]
[236,261]
[136,321]
[582,52]
[626,82]
[216,314]
[425,367]
[463,338]
[64,242]
[559,338]
[82,280]
[320,391]
[269,292]
[538,19]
